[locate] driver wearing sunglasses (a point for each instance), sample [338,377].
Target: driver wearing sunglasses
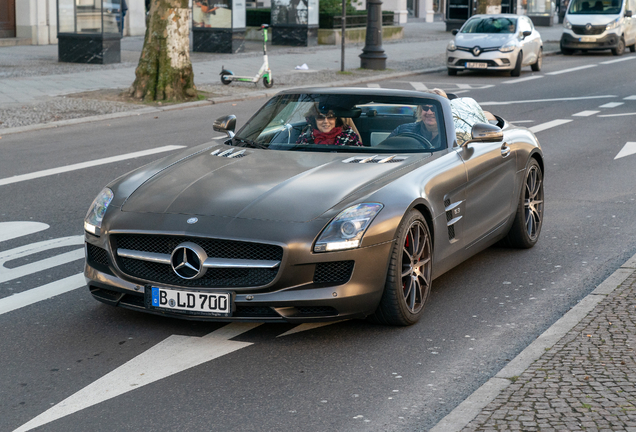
[326,128]
[426,125]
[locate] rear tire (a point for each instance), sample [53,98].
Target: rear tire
[267,82]
[526,227]
[452,72]
[517,70]
[408,281]
[536,67]
[632,47]
[620,48]
[224,79]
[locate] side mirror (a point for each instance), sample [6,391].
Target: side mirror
[454,32]
[527,33]
[482,132]
[628,14]
[225,124]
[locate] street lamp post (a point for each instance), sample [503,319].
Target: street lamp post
[373,56]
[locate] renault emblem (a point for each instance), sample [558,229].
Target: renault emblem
[188,260]
[192,220]
[476,51]
[588,26]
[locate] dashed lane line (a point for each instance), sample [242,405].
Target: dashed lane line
[566,99]
[548,125]
[518,80]
[618,60]
[612,105]
[82,165]
[585,113]
[617,115]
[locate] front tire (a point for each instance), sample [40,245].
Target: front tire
[408,282]
[620,48]
[225,80]
[452,72]
[526,227]
[566,51]
[517,70]
[536,67]
[267,82]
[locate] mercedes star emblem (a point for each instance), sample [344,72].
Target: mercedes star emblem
[476,51]
[187,261]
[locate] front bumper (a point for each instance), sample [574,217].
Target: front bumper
[594,42]
[295,294]
[494,60]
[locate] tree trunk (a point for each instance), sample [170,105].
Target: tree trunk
[164,71]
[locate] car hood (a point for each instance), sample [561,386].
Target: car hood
[263,184]
[594,19]
[484,40]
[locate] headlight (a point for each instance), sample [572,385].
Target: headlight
[613,24]
[345,231]
[567,24]
[451,46]
[95,215]
[508,46]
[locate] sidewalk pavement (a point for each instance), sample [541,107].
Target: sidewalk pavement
[580,375]
[33,83]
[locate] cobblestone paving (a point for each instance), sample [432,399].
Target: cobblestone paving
[586,382]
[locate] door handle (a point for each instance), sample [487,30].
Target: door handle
[505,150]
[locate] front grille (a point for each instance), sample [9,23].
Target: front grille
[594,30]
[255,311]
[214,248]
[335,273]
[96,256]
[451,232]
[316,311]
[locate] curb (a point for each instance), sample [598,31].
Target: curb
[466,411]
[218,100]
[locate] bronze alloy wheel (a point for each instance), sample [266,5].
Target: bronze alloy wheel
[408,282]
[533,202]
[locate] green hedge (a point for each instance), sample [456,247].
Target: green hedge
[256,17]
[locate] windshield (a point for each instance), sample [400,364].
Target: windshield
[597,7]
[346,123]
[490,25]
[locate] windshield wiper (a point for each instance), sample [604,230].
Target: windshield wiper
[243,142]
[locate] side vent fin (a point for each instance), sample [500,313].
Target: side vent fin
[230,153]
[375,159]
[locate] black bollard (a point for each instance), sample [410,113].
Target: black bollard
[373,56]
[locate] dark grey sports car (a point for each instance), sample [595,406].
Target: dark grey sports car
[327,204]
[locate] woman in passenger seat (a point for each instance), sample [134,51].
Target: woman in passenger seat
[326,128]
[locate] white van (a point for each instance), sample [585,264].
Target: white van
[599,25]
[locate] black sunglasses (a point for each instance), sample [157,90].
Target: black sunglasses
[430,108]
[322,116]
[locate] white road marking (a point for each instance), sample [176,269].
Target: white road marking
[82,165]
[618,60]
[521,121]
[518,80]
[464,86]
[571,70]
[171,356]
[459,92]
[7,274]
[617,115]
[630,97]
[371,85]
[419,86]
[548,100]
[307,326]
[219,137]
[585,113]
[628,149]
[612,105]
[26,298]
[548,125]
[11,230]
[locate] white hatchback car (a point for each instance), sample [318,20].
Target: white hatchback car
[497,42]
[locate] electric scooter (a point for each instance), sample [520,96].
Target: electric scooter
[228,76]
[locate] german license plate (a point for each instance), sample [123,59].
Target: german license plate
[587,39]
[190,302]
[476,65]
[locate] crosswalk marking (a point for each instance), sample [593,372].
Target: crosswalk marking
[518,80]
[612,105]
[627,150]
[26,298]
[419,86]
[171,356]
[618,115]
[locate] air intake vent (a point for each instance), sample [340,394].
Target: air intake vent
[230,153]
[375,159]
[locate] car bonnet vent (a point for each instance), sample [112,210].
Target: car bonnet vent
[230,153]
[375,159]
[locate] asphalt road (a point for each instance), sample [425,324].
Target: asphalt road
[72,364]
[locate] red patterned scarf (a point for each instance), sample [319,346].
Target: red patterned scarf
[326,137]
